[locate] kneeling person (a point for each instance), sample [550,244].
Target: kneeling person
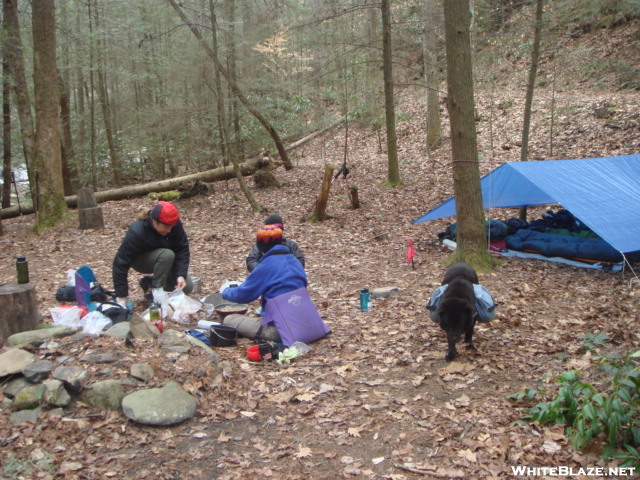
[277,272]
[155,244]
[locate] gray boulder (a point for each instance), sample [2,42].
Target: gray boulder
[74,378]
[141,371]
[29,397]
[14,360]
[34,338]
[120,330]
[38,371]
[23,416]
[55,394]
[105,395]
[168,405]
[13,386]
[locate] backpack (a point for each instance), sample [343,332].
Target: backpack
[116,312]
[485,304]
[296,318]
[67,293]
[86,289]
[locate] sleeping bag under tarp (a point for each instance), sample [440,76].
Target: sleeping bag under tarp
[551,245]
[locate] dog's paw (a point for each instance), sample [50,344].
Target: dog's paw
[450,356]
[470,346]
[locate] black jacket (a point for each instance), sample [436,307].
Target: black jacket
[255,255]
[142,237]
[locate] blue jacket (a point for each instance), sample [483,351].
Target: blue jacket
[277,272]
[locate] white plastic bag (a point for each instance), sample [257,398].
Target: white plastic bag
[162,298]
[182,303]
[95,322]
[68,317]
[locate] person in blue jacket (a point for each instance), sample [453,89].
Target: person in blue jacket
[277,272]
[255,254]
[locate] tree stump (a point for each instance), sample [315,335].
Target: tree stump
[89,213]
[19,307]
[353,196]
[320,212]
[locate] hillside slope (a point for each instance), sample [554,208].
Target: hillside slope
[375,399]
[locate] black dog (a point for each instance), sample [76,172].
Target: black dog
[457,310]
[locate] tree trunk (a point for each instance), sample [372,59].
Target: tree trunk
[255,206]
[471,235]
[234,114]
[222,118]
[6,134]
[92,106]
[353,196]
[19,307]
[236,90]
[50,204]
[393,172]
[526,125]
[430,37]
[14,55]
[320,212]
[107,116]
[69,168]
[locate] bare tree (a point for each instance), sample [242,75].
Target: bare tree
[393,172]
[50,204]
[533,70]
[431,22]
[6,126]
[471,235]
[14,56]
[107,116]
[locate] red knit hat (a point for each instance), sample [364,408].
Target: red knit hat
[165,212]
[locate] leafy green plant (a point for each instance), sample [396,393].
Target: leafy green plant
[607,411]
[592,341]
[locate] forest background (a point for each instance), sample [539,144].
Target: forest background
[375,399]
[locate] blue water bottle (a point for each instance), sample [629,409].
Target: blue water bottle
[364,299]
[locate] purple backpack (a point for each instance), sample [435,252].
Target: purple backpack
[296,318]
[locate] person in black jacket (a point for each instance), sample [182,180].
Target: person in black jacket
[154,244]
[255,254]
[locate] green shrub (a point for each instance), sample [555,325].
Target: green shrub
[607,410]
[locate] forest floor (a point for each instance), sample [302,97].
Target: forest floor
[375,399]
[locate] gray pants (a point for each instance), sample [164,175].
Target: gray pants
[159,263]
[248,327]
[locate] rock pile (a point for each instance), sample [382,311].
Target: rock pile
[57,369]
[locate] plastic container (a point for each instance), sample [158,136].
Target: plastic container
[22,268]
[154,313]
[197,285]
[207,324]
[365,299]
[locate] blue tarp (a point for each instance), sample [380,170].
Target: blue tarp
[604,193]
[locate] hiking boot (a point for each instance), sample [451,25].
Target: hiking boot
[146,283]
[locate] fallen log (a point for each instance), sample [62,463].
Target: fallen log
[217,174]
[248,167]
